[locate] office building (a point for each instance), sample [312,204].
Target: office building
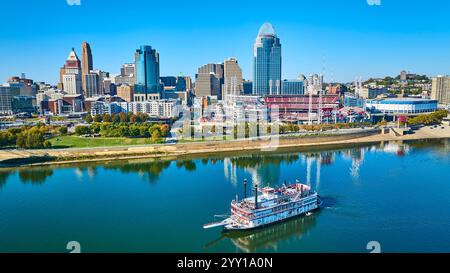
[371,93]
[267,62]
[292,87]
[233,82]
[209,81]
[126,92]
[247,87]
[314,84]
[7,93]
[71,74]
[127,75]
[86,65]
[148,85]
[440,90]
[92,85]
[128,70]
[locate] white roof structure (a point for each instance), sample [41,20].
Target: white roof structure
[266,30]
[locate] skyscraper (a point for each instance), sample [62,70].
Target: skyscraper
[209,80]
[86,64]
[267,62]
[91,85]
[233,82]
[71,76]
[441,90]
[147,86]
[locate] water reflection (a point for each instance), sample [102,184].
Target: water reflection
[35,176]
[151,171]
[264,169]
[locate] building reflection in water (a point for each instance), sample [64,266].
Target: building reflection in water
[265,170]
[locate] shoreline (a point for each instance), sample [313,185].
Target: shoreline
[25,158]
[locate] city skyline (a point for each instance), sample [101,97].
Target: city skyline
[339,47]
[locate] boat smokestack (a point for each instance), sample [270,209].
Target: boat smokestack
[245,188]
[256,196]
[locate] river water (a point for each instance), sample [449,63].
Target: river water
[397,194]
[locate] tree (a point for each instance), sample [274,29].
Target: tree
[97,118]
[164,130]
[115,118]
[82,130]
[31,139]
[88,119]
[106,118]
[156,136]
[47,144]
[7,139]
[133,118]
[142,117]
[123,117]
[63,130]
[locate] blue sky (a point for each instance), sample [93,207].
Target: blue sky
[349,38]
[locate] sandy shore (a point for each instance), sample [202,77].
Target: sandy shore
[64,156]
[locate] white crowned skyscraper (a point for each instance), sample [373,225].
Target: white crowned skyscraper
[267,62]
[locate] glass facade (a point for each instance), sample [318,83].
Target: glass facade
[147,71]
[267,62]
[292,87]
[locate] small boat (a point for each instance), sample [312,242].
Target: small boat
[269,206]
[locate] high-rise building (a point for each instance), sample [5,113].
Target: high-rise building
[86,64]
[233,82]
[267,62]
[403,76]
[440,90]
[181,84]
[209,81]
[71,76]
[92,86]
[126,92]
[148,86]
[248,87]
[169,81]
[7,93]
[188,81]
[128,70]
[127,75]
[292,87]
[314,84]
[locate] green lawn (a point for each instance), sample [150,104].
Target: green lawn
[81,142]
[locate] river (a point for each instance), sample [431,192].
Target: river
[397,194]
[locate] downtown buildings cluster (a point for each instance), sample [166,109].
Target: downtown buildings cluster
[219,91]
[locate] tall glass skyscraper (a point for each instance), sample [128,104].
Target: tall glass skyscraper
[147,72]
[267,62]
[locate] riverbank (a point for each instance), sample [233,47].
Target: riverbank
[16,158]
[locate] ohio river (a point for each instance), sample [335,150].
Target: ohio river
[396,194]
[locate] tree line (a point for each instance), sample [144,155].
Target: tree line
[138,130]
[118,118]
[429,119]
[26,137]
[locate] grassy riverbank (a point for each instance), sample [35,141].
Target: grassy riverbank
[63,142]
[122,149]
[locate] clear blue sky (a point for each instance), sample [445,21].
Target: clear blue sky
[350,37]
